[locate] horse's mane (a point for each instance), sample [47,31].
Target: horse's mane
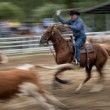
[56,29]
[62,29]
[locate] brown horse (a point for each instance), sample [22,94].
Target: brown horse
[64,55]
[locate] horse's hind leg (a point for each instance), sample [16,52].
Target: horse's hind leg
[99,86]
[88,76]
[101,76]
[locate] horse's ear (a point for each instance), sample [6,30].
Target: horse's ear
[53,27]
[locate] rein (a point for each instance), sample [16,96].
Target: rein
[50,46]
[51,50]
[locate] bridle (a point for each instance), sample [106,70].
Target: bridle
[47,41]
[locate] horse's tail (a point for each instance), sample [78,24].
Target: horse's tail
[90,40]
[107,48]
[4,58]
[60,68]
[108,51]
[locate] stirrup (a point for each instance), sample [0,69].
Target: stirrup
[75,62]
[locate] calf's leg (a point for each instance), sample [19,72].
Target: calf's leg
[32,90]
[53,100]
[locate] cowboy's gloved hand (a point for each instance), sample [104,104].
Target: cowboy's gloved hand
[58,12]
[66,26]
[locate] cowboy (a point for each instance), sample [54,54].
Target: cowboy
[77,26]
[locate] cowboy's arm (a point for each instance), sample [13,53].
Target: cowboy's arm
[62,20]
[76,26]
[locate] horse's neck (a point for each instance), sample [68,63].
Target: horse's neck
[59,42]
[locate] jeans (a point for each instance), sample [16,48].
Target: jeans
[78,43]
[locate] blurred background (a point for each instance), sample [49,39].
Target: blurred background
[33,16]
[30,18]
[22,22]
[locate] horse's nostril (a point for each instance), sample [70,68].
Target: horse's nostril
[41,42]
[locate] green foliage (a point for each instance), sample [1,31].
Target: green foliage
[10,11]
[99,24]
[48,10]
[88,3]
[39,9]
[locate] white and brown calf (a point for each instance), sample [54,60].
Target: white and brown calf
[23,80]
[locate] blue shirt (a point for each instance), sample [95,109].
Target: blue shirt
[76,25]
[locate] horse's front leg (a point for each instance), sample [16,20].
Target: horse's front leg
[99,85]
[57,80]
[55,84]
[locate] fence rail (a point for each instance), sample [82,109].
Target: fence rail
[24,45]
[21,45]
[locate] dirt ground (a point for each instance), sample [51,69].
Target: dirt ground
[84,100]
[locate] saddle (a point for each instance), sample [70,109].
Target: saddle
[86,48]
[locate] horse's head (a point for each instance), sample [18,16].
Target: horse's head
[47,35]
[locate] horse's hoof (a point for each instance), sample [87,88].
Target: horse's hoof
[77,91]
[97,88]
[79,87]
[69,82]
[56,86]
[64,107]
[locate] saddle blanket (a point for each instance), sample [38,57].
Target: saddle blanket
[86,48]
